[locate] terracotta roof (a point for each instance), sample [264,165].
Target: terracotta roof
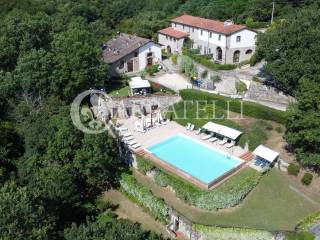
[173,33]
[208,24]
[122,45]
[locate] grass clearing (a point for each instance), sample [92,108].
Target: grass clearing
[272,205]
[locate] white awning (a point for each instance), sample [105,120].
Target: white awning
[138,82]
[230,132]
[222,130]
[266,153]
[212,127]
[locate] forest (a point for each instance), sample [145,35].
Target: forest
[50,173]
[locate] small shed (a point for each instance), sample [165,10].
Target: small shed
[265,153]
[138,86]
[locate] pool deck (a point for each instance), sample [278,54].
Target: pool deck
[158,134]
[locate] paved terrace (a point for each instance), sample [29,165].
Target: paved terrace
[159,134]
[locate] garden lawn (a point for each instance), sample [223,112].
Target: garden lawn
[121,92]
[272,205]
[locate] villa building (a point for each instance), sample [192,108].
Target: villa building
[225,42]
[128,54]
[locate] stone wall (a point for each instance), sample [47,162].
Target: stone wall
[124,107]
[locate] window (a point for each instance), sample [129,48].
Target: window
[236,56]
[201,32]
[182,26]
[192,29]
[209,50]
[175,24]
[136,54]
[238,38]
[175,40]
[121,64]
[219,38]
[167,37]
[210,34]
[249,51]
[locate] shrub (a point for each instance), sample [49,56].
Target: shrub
[215,78]
[174,59]
[211,232]
[143,196]
[151,70]
[204,74]
[256,79]
[250,109]
[228,194]
[307,179]
[144,165]
[293,169]
[279,129]
[310,220]
[241,87]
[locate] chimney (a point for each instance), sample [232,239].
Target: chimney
[228,22]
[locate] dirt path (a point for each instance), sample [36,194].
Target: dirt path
[129,210]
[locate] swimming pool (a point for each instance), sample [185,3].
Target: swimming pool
[194,158]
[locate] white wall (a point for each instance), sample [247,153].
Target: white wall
[150,47]
[247,39]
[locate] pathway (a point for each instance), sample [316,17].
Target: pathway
[304,196]
[129,210]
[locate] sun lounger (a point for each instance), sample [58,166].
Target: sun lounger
[122,129]
[222,142]
[213,139]
[206,137]
[126,134]
[133,142]
[128,138]
[136,145]
[230,145]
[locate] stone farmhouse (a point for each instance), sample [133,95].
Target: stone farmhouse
[225,42]
[129,54]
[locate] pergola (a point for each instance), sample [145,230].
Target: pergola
[139,86]
[266,153]
[230,133]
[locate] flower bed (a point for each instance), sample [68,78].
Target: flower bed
[209,233]
[144,197]
[228,194]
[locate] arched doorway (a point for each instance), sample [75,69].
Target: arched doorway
[169,49]
[219,54]
[236,56]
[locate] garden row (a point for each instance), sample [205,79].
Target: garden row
[250,109]
[228,194]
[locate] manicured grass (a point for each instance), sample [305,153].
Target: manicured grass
[121,92]
[272,205]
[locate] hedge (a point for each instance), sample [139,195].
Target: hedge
[209,232]
[309,221]
[293,169]
[144,165]
[228,194]
[250,109]
[307,179]
[144,197]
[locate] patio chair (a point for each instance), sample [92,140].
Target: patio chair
[133,142]
[213,139]
[198,131]
[223,142]
[206,137]
[191,127]
[230,145]
[188,126]
[136,145]
[128,138]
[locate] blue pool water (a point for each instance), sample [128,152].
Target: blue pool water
[194,158]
